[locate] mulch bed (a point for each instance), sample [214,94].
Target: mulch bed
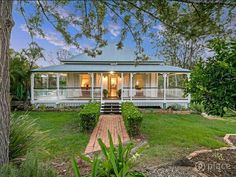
[221,163]
[215,163]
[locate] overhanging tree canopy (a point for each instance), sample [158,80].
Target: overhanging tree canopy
[136,18]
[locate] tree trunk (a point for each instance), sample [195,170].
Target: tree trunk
[6,24]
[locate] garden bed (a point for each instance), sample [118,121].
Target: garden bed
[167,111]
[221,163]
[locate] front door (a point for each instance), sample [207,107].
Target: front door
[113,85]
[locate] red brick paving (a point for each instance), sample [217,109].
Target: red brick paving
[115,124]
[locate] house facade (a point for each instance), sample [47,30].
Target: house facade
[113,76]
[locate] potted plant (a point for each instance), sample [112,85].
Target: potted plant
[137,87]
[119,93]
[105,93]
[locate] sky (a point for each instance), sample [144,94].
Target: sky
[53,42]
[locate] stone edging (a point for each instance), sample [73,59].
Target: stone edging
[226,139]
[210,117]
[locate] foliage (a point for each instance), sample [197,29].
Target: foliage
[137,18]
[18,76]
[179,51]
[8,170]
[176,107]
[105,93]
[42,107]
[185,44]
[132,118]
[114,161]
[21,64]
[31,167]
[65,138]
[196,108]
[25,137]
[119,93]
[213,81]
[89,115]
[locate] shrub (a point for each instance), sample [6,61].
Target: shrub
[213,80]
[114,161]
[8,170]
[88,116]
[25,136]
[119,93]
[105,93]
[31,167]
[176,107]
[42,107]
[197,108]
[132,118]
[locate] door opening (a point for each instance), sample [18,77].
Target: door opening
[113,85]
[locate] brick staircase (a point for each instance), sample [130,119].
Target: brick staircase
[111,108]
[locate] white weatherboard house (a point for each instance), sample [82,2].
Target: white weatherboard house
[109,77]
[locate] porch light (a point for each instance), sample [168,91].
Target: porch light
[44,75]
[111,72]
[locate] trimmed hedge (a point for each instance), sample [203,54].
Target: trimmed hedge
[132,118]
[88,116]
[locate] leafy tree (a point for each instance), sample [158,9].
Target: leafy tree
[18,75]
[135,18]
[213,81]
[32,54]
[177,51]
[21,64]
[197,23]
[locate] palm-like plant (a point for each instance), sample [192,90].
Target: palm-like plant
[114,161]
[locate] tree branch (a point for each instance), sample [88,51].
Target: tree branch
[213,2]
[151,15]
[44,13]
[130,29]
[196,9]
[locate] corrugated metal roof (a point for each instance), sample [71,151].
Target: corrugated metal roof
[109,53]
[108,68]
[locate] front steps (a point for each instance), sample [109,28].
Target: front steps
[111,108]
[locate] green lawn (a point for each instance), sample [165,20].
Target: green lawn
[174,136]
[66,140]
[169,136]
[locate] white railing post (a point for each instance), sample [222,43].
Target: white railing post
[189,96]
[92,75]
[131,86]
[157,79]
[165,76]
[32,88]
[58,86]
[101,86]
[122,86]
[167,81]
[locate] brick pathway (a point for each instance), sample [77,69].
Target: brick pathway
[115,124]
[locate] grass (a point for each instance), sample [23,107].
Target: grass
[170,136]
[67,141]
[174,136]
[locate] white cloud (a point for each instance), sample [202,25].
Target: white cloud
[114,29]
[159,27]
[51,37]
